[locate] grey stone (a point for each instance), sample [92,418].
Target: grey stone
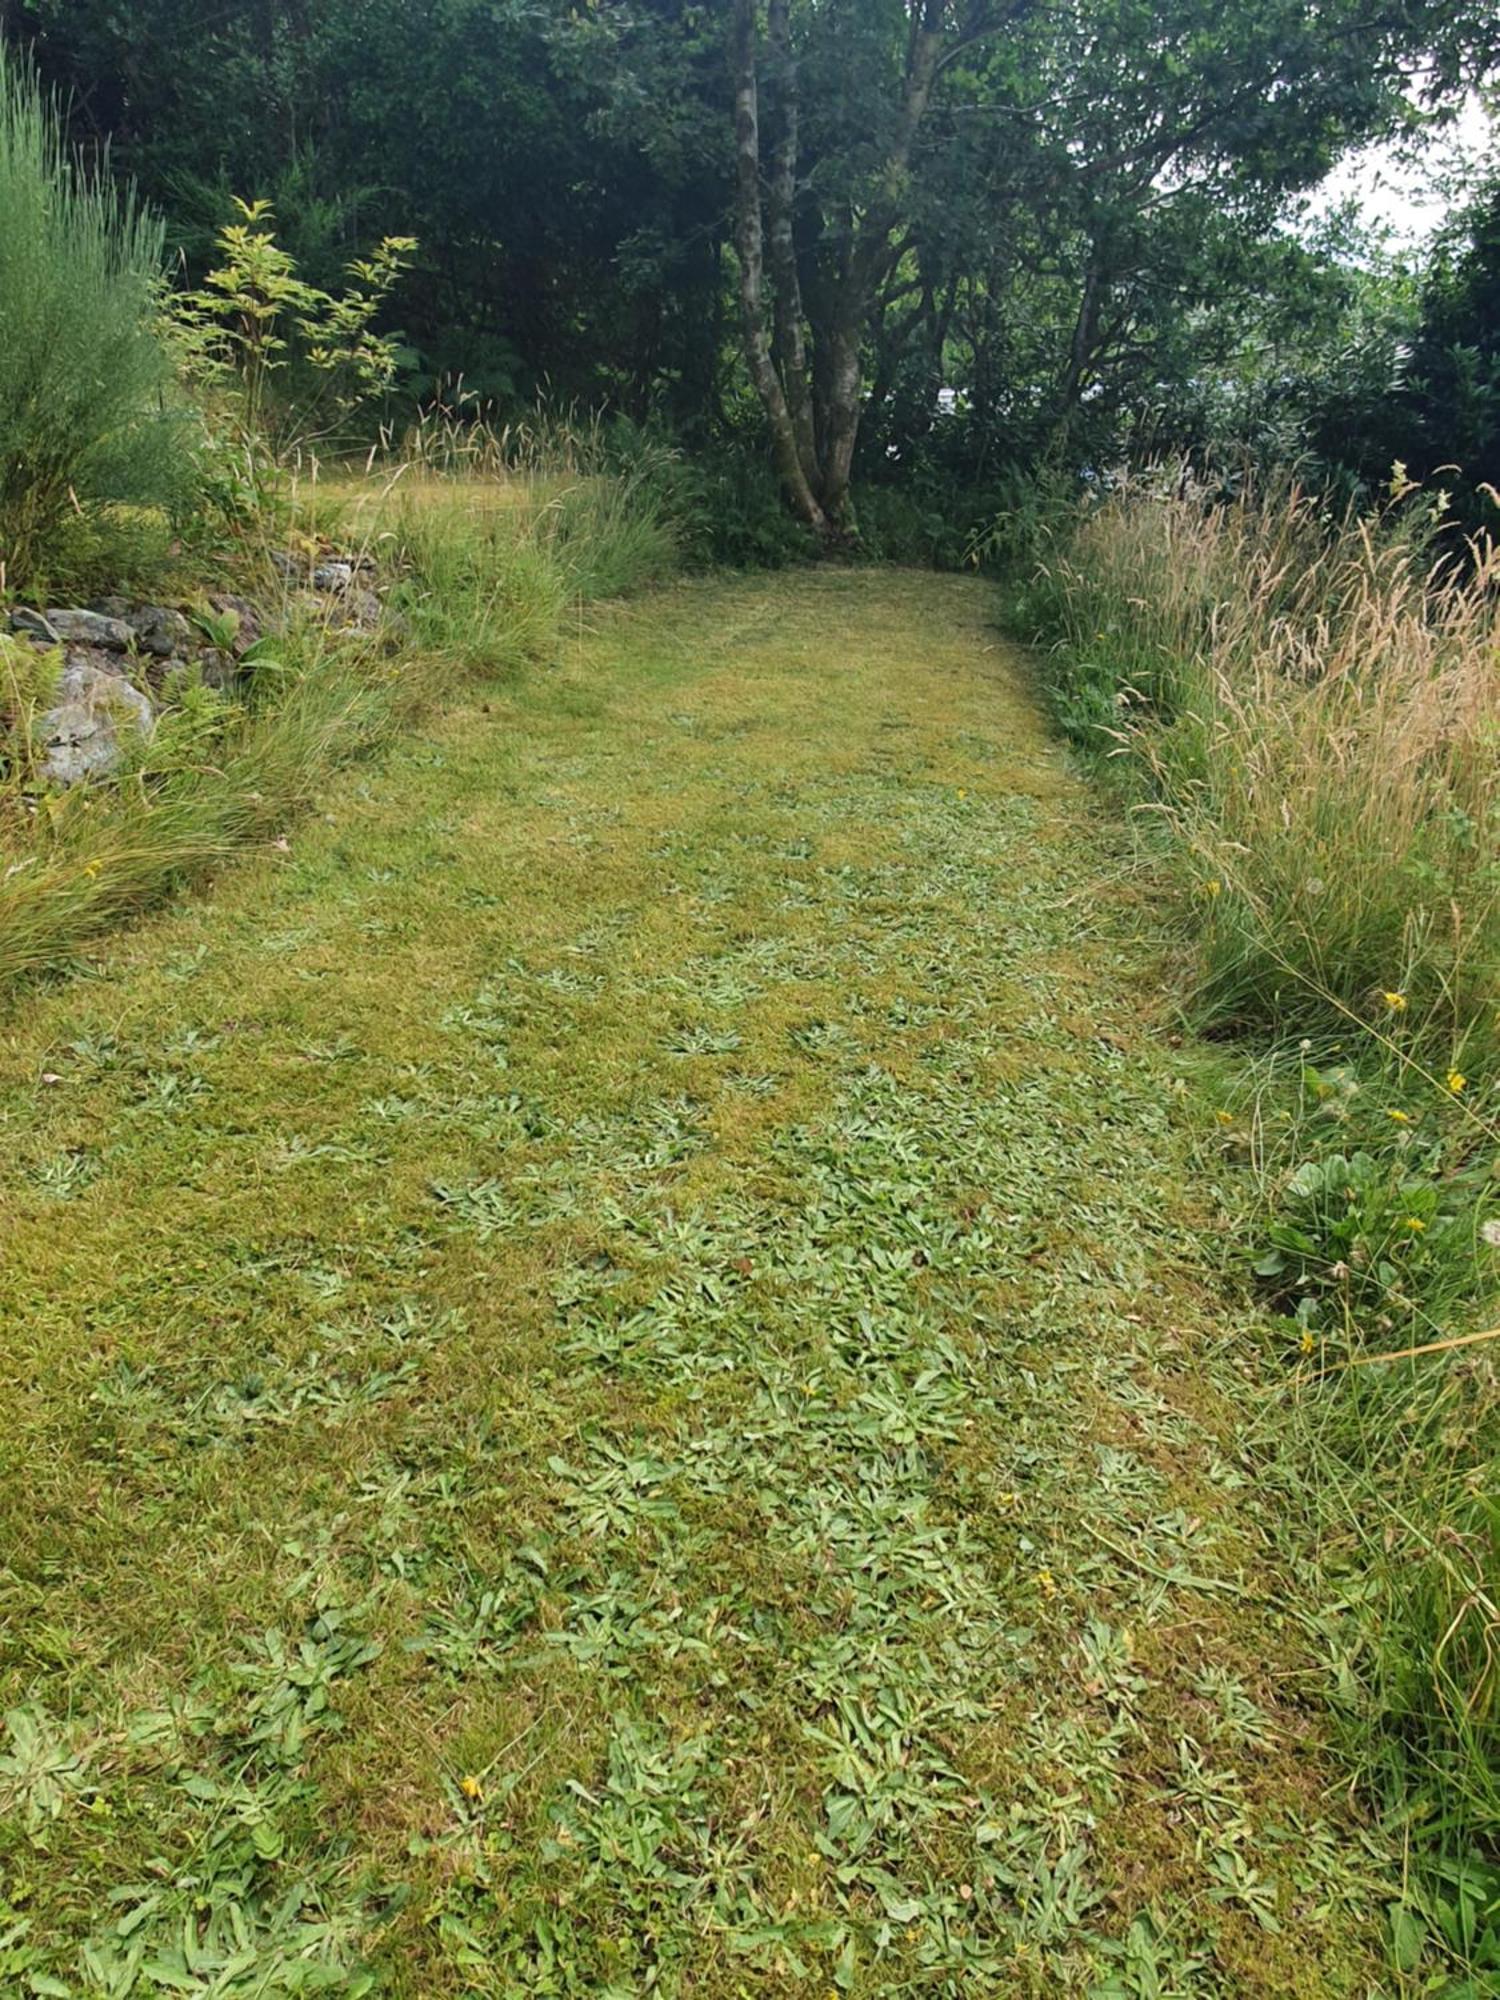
[333,576]
[160,630]
[90,628]
[220,670]
[33,625]
[112,607]
[81,737]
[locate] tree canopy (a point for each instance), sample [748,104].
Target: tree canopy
[812,218]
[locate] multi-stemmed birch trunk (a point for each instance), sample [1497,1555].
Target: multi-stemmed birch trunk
[803,342]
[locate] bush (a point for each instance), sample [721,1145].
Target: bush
[95,445]
[734,516]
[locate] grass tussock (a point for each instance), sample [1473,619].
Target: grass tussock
[1307,706]
[215,779]
[1313,709]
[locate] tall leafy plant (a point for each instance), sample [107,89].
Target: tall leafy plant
[90,420]
[256,317]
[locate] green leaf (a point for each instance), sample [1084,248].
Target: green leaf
[1408,1936]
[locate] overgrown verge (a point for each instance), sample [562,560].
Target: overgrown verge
[1304,711]
[476,578]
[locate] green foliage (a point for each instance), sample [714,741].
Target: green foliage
[1089,248]
[1375,1234]
[1453,372]
[734,515]
[244,317]
[96,445]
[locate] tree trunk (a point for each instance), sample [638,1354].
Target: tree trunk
[1082,344]
[781,201]
[841,423]
[749,241]
[813,400]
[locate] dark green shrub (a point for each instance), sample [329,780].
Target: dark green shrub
[95,449]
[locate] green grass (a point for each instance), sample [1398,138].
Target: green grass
[614,1387]
[1304,715]
[478,576]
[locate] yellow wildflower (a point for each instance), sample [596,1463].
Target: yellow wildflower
[1306,1343]
[1457,1081]
[1415,1224]
[1046,1583]
[1213,887]
[1225,1117]
[1395,1001]
[1399,1117]
[471,1789]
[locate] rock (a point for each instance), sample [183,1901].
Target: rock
[81,736]
[363,609]
[160,630]
[333,576]
[32,625]
[90,628]
[112,607]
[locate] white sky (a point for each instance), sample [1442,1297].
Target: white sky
[1405,194]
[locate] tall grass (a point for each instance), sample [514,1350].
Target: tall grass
[1304,706]
[94,437]
[1313,707]
[494,530]
[73,864]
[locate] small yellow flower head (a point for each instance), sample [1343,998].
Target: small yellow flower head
[963,792]
[1457,1081]
[1225,1117]
[1306,1343]
[1046,1583]
[1398,1117]
[1213,887]
[472,1790]
[1415,1224]
[1395,1001]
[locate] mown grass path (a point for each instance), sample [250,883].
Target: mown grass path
[611,1386]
